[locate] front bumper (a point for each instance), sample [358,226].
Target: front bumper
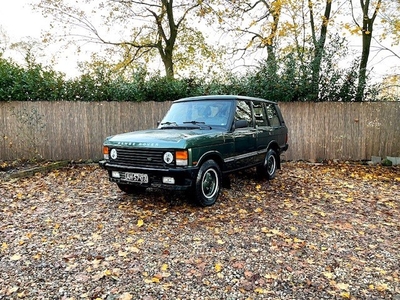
[184,177]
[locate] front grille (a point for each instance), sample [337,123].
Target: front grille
[139,158]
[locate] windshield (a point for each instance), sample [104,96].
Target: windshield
[198,114]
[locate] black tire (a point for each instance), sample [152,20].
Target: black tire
[131,189]
[208,183]
[269,166]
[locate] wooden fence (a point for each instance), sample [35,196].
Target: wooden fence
[75,130]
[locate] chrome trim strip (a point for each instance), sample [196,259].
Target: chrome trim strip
[245,155]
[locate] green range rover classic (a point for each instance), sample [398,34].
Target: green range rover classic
[200,140]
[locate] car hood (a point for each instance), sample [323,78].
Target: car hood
[166,138]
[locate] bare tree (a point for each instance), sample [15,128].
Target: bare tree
[367,27]
[256,23]
[319,43]
[145,27]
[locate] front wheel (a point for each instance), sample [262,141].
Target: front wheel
[208,183]
[269,166]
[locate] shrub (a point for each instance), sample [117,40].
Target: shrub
[289,80]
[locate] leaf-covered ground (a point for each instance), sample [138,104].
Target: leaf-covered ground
[315,232]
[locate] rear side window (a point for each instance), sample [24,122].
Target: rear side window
[272,115]
[259,114]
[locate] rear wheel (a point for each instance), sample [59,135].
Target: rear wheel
[208,183]
[131,189]
[269,166]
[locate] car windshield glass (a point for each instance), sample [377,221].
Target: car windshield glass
[211,113]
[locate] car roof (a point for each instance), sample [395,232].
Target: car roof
[223,97]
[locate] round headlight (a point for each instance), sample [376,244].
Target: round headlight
[168,157]
[113,154]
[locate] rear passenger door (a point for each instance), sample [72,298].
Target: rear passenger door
[264,131]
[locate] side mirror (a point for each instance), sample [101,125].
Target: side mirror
[241,124]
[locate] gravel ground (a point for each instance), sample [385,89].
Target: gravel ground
[315,232]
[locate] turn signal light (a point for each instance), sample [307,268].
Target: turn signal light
[105,152]
[181,158]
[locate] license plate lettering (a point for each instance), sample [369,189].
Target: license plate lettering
[137,177]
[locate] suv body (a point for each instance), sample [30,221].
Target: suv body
[199,140]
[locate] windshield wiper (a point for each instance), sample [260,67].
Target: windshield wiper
[169,123]
[194,122]
[197,123]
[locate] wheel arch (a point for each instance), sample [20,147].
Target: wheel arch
[274,146]
[215,156]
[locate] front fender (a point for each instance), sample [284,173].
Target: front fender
[214,155]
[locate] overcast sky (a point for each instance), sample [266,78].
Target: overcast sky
[18,21]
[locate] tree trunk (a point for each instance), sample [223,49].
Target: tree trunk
[362,75]
[166,54]
[271,58]
[166,43]
[168,63]
[367,29]
[319,47]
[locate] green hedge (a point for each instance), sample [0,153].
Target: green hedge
[291,82]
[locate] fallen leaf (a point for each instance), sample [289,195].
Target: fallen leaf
[4,246]
[37,256]
[345,295]
[11,290]
[15,257]
[125,296]
[218,267]
[133,249]
[275,231]
[248,274]
[260,290]
[328,275]
[122,253]
[21,294]
[381,287]
[342,286]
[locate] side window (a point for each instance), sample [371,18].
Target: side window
[259,114]
[272,115]
[243,112]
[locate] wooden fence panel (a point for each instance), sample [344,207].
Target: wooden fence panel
[346,131]
[72,130]
[76,130]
